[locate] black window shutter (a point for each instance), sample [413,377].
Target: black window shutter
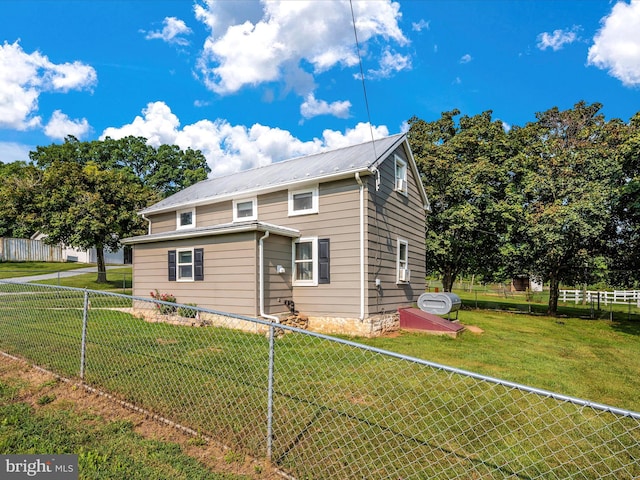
[323,261]
[198,264]
[172,265]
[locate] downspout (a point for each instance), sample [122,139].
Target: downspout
[261,260]
[149,227]
[362,282]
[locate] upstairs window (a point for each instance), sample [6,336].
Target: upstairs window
[244,210]
[400,175]
[303,202]
[186,219]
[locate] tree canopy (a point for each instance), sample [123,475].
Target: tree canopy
[557,199]
[463,170]
[166,169]
[87,194]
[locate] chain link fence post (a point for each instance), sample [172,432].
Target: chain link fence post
[83,347]
[270,394]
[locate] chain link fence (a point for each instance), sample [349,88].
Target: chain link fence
[316,407]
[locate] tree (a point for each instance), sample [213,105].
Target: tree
[166,169]
[83,206]
[625,238]
[19,184]
[463,171]
[563,183]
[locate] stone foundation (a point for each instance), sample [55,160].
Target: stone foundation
[372,326]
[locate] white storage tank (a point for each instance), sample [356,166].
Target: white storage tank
[439,303]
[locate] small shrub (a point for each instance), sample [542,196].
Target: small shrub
[164,297]
[187,312]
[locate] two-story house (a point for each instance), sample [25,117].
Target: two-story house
[339,233]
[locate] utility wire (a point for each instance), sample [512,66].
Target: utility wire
[364,87]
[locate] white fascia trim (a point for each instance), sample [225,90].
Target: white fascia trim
[216,230]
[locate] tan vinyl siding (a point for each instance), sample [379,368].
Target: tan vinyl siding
[337,220]
[163,222]
[392,215]
[214,214]
[230,272]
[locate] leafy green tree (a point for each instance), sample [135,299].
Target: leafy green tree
[19,184]
[166,169]
[463,171]
[84,206]
[563,184]
[625,238]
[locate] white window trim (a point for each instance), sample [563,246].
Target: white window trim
[178,264]
[254,202]
[404,165]
[314,201]
[193,219]
[399,261]
[314,253]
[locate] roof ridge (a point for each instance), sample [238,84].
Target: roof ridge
[310,155]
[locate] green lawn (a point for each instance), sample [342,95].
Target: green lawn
[22,269]
[118,279]
[106,449]
[337,406]
[597,360]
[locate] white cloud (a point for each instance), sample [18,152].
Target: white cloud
[390,63]
[466,58]
[257,47]
[616,46]
[558,39]
[231,148]
[312,108]
[419,26]
[23,77]
[11,152]
[60,126]
[158,125]
[172,32]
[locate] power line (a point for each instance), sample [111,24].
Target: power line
[364,87]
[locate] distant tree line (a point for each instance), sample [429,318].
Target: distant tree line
[558,199]
[87,194]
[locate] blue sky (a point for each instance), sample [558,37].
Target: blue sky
[252,82]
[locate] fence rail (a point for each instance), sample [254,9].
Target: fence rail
[625,297]
[315,406]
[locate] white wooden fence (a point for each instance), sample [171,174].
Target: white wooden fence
[625,297]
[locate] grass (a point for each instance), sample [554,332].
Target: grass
[22,269]
[118,279]
[106,449]
[596,360]
[337,407]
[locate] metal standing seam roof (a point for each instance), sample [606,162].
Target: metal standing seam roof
[323,165]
